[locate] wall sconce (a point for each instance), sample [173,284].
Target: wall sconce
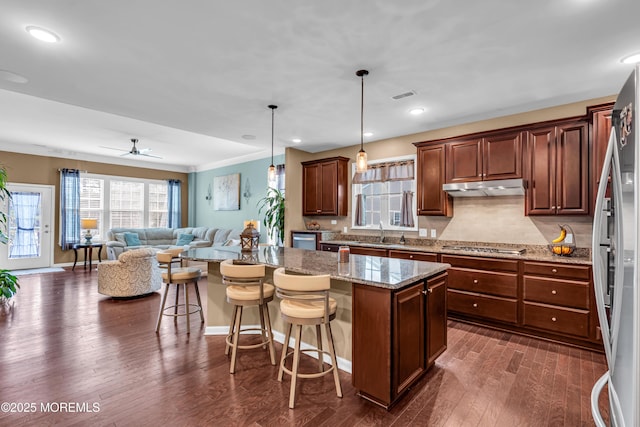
[247,191]
[208,196]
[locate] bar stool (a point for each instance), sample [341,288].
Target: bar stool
[245,288]
[306,301]
[178,276]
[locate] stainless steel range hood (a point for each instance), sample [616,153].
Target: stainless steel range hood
[502,187]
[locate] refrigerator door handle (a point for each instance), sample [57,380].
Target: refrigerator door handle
[595,394]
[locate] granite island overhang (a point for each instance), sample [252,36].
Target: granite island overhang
[389,309]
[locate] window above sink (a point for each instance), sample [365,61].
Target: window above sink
[385,195]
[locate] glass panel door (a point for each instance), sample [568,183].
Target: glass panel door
[29,225]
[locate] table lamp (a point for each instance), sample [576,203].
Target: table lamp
[88,224]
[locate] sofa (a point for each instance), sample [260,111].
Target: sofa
[135,272]
[120,240]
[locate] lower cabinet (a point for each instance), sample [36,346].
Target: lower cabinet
[397,336]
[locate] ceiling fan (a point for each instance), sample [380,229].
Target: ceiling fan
[135,151]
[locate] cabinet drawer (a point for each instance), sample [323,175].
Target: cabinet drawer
[557,319]
[558,270]
[486,306]
[502,284]
[556,292]
[480,263]
[359,250]
[416,256]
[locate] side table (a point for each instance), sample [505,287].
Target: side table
[88,247]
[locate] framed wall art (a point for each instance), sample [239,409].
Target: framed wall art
[226,192]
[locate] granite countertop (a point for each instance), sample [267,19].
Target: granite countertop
[532,252]
[383,272]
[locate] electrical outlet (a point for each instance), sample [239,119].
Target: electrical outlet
[422,232]
[345,230]
[433,233]
[334,222]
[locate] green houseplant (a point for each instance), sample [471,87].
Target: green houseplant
[273,206]
[8,282]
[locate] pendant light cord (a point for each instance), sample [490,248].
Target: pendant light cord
[362,112]
[273,107]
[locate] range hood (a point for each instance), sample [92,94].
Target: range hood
[502,187]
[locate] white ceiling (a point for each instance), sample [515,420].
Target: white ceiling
[189,79]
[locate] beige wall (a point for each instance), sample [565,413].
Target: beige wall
[30,169]
[495,220]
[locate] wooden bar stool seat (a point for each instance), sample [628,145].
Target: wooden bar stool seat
[246,287]
[178,276]
[306,301]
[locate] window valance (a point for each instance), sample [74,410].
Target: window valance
[386,171]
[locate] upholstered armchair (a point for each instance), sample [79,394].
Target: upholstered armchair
[135,272]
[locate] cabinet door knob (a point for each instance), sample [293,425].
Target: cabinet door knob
[410,256]
[475,280]
[430,290]
[319,210]
[554,292]
[554,270]
[475,304]
[424,292]
[553,319]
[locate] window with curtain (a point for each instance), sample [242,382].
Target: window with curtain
[174,198]
[24,208]
[384,194]
[123,202]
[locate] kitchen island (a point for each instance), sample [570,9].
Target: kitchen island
[391,320]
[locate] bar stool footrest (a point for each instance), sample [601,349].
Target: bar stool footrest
[313,374]
[248,346]
[196,308]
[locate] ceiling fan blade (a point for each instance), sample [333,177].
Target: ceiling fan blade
[150,155]
[111,148]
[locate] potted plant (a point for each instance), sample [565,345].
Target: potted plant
[273,206]
[8,282]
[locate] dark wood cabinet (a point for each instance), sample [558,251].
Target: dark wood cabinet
[431,200]
[557,299]
[485,157]
[559,169]
[324,187]
[397,335]
[362,250]
[600,132]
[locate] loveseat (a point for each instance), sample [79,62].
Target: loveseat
[120,240]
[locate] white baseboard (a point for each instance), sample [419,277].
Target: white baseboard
[343,364]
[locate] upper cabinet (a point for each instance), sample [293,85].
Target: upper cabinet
[600,131]
[431,199]
[324,186]
[558,157]
[485,157]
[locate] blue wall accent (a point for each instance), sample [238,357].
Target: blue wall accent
[201,213]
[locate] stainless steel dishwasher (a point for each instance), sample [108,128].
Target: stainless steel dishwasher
[303,240]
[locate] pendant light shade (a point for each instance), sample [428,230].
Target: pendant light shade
[361,158]
[272,169]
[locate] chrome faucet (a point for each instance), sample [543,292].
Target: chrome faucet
[381,233]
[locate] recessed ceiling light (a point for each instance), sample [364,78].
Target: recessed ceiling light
[367,134]
[416,111]
[631,59]
[296,140]
[12,77]
[43,34]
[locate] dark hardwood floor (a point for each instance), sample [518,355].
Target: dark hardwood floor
[64,344]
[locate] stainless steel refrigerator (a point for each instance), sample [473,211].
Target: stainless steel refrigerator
[615,253]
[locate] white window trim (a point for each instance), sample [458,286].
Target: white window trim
[388,227]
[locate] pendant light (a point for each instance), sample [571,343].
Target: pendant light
[272,169]
[361,158]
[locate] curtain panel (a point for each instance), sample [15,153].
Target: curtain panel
[174,205]
[69,208]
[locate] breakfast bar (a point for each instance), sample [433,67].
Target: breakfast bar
[391,318]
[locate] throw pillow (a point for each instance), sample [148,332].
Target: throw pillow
[120,238]
[132,239]
[184,239]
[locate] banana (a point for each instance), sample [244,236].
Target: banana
[560,238]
